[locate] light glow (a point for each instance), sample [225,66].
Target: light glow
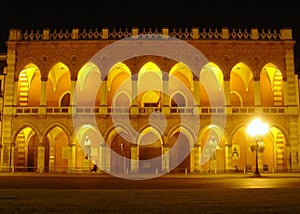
[257,128]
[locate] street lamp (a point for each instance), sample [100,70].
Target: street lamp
[257,129]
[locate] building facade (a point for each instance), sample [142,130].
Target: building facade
[149,101]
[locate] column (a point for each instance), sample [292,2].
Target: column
[10,78]
[7,157]
[166,159]
[43,91]
[73,91]
[192,159]
[285,93]
[257,98]
[293,142]
[15,92]
[12,156]
[165,94]
[134,159]
[196,94]
[228,157]
[290,80]
[104,152]
[72,158]
[134,155]
[197,155]
[103,98]
[41,157]
[134,106]
[9,100]
[227,91]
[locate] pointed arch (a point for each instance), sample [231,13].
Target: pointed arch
[178,99]
[150,99]
[88,85]
[272,85]
[87,69]
[29,86]
[241,85]
[118,81]
[183,73]
[26,149]
[58,83]
[211,85]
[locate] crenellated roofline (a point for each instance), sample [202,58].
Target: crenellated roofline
[165,33]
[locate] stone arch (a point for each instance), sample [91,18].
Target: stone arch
[26,61]
[115,130]
[24,125]
[123,102]
[187,128]
[182,95]
[149,148]
[58,59]
[180,146]
[136,63]
[64,99]
[242,59]
[219,62]
[56,124]
[112,129]
[238,95]
[214,148]
[119,154]
[274,60]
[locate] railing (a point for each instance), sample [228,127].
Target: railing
[147,110]
[155,33]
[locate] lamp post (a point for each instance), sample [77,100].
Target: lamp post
[257,129]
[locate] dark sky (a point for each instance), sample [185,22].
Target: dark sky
[127,14]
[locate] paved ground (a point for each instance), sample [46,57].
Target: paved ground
[177,193]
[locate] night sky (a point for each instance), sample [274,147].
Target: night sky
[145,14]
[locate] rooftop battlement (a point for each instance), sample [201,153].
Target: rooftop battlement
[165,33]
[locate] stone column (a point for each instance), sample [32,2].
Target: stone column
[15,92]
[43,91]
[293,129]
[134,159]
[73,91]
[7,156]
[166,159]
[197,155]
[72,159]
[103,98]
[165,94]
[104,152]
[134,155]
[228,157]
[285,93]
[292,98]
[134,106]
[9,101]
[196,94]
[257,98]
[192,160]
[12,156]
[227,91]
[41,157]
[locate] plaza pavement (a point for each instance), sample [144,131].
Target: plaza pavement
[208,196]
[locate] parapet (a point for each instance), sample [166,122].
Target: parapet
[165,33]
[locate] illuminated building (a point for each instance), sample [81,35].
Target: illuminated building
[137,93]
